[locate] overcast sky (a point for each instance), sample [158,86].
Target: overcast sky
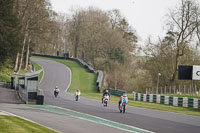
[147,17]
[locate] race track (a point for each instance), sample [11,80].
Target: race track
[152,120]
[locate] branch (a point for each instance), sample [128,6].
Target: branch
[175,21]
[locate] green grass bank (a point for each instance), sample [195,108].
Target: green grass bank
[5,73]
[38,67]
[12,124]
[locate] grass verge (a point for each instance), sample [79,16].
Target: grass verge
[86,83]
[38,67]
[5,73]
[12,124]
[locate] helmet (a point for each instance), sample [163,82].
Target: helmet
[56,87]
[124,95]
[106,90]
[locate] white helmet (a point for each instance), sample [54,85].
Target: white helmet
[124,95]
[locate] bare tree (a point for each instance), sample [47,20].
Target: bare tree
[33,16]
[183,23]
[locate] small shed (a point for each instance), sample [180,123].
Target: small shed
[27,85]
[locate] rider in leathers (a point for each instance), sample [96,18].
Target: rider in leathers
[106,93]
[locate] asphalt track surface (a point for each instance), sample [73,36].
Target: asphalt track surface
[152,120]
[156,121]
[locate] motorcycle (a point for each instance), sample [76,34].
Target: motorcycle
[105,100]
[55,93]
[122,107]
[77,96]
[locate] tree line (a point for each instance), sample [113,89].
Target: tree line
[24,24]
[104,39]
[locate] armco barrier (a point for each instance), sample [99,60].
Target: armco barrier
[142,97]
[168,100]
[148,97]
[99,79]
[116,92]
[180,101]
[139,96]
[154,98]
[145,97]
[185,101]
[83,64]
[175,101]
[162,99]
[199,104]
[136,96]
[190,102]
[79,61]
[195,103]
[158,99]
[151,98]
[49,56]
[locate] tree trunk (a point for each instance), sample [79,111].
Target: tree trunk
[175,70]
[16,62]
[76,41]
[27,55]
[22,53]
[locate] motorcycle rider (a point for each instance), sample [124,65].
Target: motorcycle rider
[123,98]
[56,90]
[77,92]
[105,93]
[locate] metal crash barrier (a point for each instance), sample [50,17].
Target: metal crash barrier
[168,100]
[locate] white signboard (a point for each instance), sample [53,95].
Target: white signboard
[196,72]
